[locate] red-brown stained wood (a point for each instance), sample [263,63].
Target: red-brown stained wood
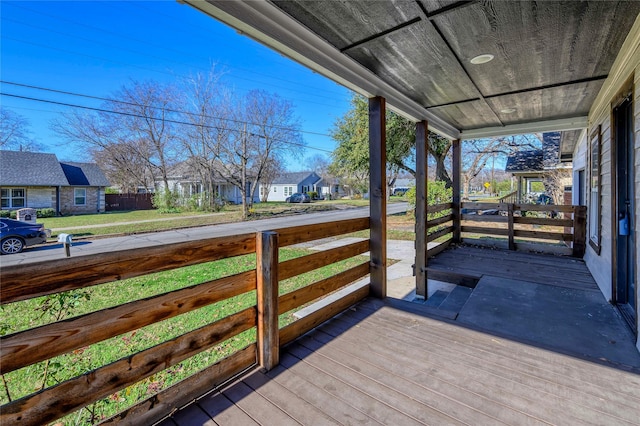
[543,208]
[484,218]
[321,288]
[510,229]
[301,326]
[300,265]
[543,221]
[437,208]
[456,165]
[378,195]
[303,234]
[57,401]
[267,291]
[30,346]
[440,233]
[422,144]
[555,236]
[484,230]
[439,221]
[579,231]
[484,206]
[22,282]
[439,248]
[156,407]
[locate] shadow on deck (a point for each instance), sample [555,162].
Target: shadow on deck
[534,342]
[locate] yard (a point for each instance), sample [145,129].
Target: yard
[132,222]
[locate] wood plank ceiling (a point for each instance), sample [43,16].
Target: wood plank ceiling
[550,58]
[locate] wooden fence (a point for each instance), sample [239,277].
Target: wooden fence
[440,226]
[116,202]
[545,228]
[28,347]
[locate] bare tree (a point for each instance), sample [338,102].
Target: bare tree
[275,133]
[319,163]
[209,109]
[475,157]
[136,131]
[15,133]
[272,171]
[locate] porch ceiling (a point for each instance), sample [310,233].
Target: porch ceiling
[550,58]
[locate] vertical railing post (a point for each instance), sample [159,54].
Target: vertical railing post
[422,141]
[510,225]
[457,185]
[267,292]
[579,231]
[378,196]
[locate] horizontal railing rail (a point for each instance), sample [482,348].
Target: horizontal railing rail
[556,229]
[65,339]
[438,215]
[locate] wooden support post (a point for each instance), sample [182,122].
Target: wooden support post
[421,209]
[510,225]
[457,185]
[579,231]
[378,195]
[267,289]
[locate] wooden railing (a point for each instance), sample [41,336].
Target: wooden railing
[514,227]
[511,197]
[439,227]
[29,347]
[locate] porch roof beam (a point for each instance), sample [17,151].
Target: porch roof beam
[573,123]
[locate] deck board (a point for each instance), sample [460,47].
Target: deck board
[379,364]
[560,271]
[519,385]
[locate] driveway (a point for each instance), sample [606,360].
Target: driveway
[102,245]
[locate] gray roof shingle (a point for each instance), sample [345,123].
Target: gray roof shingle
[30,169]
[84,174]
[293,178]
[19,168]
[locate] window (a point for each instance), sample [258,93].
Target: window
[80,196]
[594,192]
[13,198]
[288,190]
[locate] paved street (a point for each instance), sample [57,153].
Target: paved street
[102,245]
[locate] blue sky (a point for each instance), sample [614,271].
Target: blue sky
[94,48]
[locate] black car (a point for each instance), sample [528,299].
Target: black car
[16,235]
[298,197]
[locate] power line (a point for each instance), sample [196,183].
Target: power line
[144,42]
[82,95]
[153,118]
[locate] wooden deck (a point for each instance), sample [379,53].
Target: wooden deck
[465,265]
[381,364]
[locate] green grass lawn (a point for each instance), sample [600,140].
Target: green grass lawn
[84,225]
[32,313]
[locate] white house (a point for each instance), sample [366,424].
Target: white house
[290,183]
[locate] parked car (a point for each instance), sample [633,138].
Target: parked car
[298,197]
[16,235]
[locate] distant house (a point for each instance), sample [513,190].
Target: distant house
[38,180]
[534,165]
[290,183]
[184,180]
[400,186]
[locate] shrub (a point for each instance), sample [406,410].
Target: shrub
[5,213]
[46,213]
[165,201]
[313,195]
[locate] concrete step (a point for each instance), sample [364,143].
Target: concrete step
[436,298]
[456,299]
